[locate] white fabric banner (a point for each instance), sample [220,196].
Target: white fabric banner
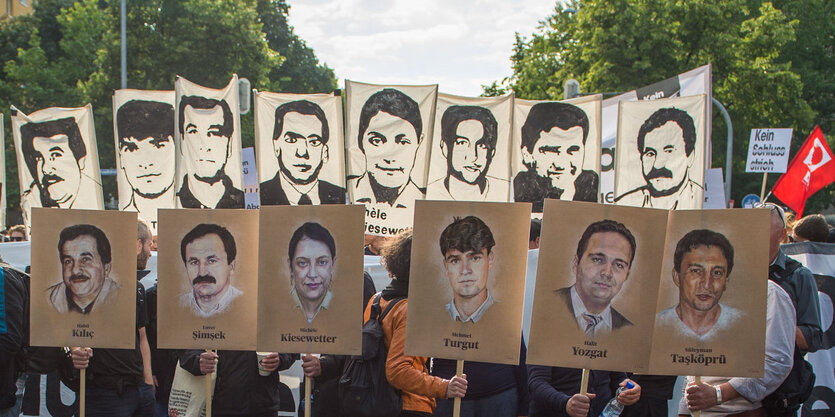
[470,156]
[300,148]
[143,134]
[660,158]
[57,159]
[556,150]
[693,82]
[820,259]
[389,132]
[208,139]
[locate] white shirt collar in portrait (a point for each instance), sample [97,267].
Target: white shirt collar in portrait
[294,195]
[476,316]
[604,326]
[326,301]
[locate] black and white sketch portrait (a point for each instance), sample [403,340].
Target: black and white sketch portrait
[600,267]
[467,249]
[702,266]
[470,158]
[85,257]
[669,143]
[145,153]
[208,252]
[58,150]
[311,255]
[301,144]
[390,132]
[209,165]
[553,150]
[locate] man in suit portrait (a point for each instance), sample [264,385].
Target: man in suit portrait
[553,150]
[600,268]
[300,143]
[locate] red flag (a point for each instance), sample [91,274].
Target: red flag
[812,168]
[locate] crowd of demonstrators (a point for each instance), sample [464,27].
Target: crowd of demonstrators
[742,397]
[811,228]
[536,231]
[14,337]
[409,374]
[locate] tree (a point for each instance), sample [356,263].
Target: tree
[67,53]
[612,46]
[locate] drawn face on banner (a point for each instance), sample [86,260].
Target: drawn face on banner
[206,126]
[666,141]
[300,140]
[209,252]
[469,135]
[55,155]
[602,263]
[702,266]
[146,146]
[312,258]
[466,246]
[553,145]
[85,264]
[389,136]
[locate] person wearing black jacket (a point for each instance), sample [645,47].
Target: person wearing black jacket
[14,335]
[240,390]
[555,391]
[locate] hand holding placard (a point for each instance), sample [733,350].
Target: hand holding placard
[80,360]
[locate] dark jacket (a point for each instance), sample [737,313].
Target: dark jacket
[618,320]
[552,387]
[273,195]
[15,339]
[240,389]
[530,187]
[231,198]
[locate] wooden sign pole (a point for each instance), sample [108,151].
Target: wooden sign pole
[584,382]
[456,403]
[308,387]
[698,378]
[209,391]
[82,392]
[762,190]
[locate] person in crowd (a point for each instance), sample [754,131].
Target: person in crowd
[119,381]
[813,228]
[17,233]
[555,391]
[536,231]
[14,337]
[409,374]
[656,391]
[373,244]
[741,397]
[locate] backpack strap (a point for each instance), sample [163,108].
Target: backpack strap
[791,266]
[389,307]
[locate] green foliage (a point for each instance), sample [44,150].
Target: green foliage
[67,53]
[772,66]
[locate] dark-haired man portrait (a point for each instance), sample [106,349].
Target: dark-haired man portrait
[300,143]
[600,267]
[666,141]
[206,128]
[553,150]
[84,253]
[467,249]
[702,266]
[146,155]
[209,252]
[468,143]
[390,132]
[55,155]
[311,254]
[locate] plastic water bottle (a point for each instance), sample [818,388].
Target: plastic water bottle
[614,408]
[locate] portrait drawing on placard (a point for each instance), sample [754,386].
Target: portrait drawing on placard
[600,267]
[206,127]
[85,257]
[312,258]
[209,254]
[390,132]
[145,139]
[300,143]
[553,151]
[702,266]
[466,246]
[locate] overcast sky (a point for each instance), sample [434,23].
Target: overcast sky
[459,44]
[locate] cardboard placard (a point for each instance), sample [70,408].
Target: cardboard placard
[83,286]
[731,341]
[608,280]
[310,301]
[208,279]
[466,302]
